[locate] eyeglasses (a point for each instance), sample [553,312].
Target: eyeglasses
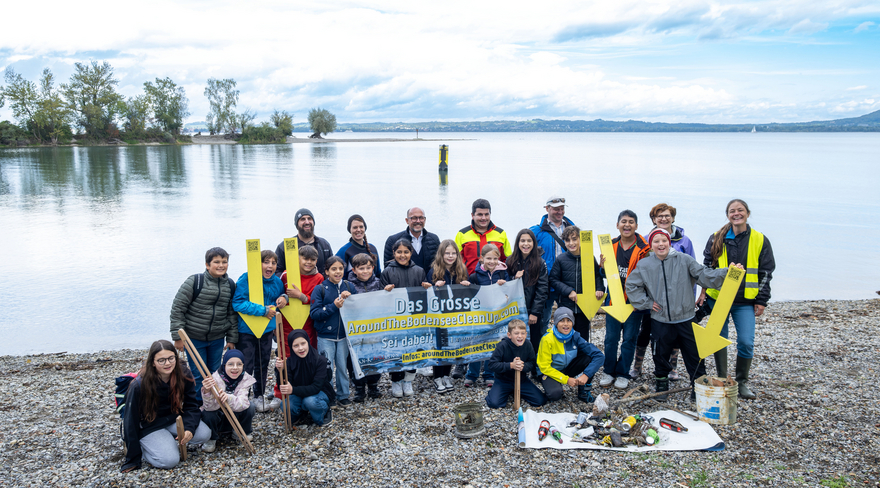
[663,217]
[417,219]
[163,361]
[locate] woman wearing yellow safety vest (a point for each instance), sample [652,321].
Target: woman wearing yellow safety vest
[736,242]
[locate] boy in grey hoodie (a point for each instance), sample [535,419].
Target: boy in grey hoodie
[663,283]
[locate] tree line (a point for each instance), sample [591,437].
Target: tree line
[90,108]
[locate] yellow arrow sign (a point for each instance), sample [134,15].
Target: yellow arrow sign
[618,309]
[586,300]
[296,312]
[709,339]
[257,324]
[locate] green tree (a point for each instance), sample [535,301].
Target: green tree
[223,97]
[322,122]
[24,100]
[136,115]
[169,104]
[239,122]
[91,95]
[282,121]
[53,118]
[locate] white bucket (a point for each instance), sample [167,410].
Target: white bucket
[716,404]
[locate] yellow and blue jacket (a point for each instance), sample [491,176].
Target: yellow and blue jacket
[555,355]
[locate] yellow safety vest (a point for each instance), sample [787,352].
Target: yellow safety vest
[756,243]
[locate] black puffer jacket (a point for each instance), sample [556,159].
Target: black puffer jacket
[423,258]
[402,276]
[320,244]
[566,276]
[535,295]
[210,316]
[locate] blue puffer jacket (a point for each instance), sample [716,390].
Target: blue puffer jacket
[272,289]
[544,234]
[482,277]
[328,321]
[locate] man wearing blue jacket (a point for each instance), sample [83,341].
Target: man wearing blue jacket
[549,235]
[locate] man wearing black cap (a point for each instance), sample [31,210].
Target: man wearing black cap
[305,227]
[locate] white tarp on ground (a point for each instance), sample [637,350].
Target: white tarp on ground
[699,437]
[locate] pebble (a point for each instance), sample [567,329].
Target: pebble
[814,423]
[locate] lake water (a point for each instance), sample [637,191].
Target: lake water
[96,241]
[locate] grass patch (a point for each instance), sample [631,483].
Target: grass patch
[840,482]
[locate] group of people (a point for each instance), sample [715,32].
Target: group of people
[659,275]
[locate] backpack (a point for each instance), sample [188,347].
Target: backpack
[122,384]
[199,283]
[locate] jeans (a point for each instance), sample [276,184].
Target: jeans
[317,405]
[211,353]
[615,366]
[473,372]
[501,391]
[337,353]
[744,321]
[161,450]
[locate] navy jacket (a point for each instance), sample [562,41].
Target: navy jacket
[352,249]
[320,244]
[566,276]
[328,321]
[504,353]
[481,277]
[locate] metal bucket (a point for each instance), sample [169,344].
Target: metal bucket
[716,404]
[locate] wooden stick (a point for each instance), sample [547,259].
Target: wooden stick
[181,445]
[516,385]
[279,337]
[649,395]
[224,407]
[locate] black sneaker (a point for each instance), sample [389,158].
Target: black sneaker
[373,390]
[328,418]
[333,404]
[345,402]
[458,371]
[304,418]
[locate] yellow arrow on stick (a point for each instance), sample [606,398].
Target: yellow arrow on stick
[709,339]
[618,309]
[296,312]
[586,300]
[257,324]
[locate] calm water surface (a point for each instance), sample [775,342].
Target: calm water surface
[96,241]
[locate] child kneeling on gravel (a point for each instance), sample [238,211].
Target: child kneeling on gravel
[513,353]
[664,284]
[565,358]
[308,381]
[234,385]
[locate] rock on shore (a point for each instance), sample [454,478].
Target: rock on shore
[816,420]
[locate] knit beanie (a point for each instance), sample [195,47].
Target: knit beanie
[302,213]
[353,218]
[562,313]
[658,231]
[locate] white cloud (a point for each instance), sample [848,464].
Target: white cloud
[863,26]
[808,27]
[855,88]
[409,60]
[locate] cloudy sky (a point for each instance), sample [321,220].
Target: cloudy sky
[663,60]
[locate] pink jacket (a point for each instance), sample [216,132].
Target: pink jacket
[238,400]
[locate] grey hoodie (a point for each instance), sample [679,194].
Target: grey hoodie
[670,283]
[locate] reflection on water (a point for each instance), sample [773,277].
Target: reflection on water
[116,230]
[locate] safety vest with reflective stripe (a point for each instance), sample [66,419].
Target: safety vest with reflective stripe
[756,243]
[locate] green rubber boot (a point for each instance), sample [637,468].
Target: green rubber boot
[743,366]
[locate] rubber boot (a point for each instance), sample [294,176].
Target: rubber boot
[721,363]
[374,390]
[585,393]
[743,366]
[360,393]
[640,358]
[661,384]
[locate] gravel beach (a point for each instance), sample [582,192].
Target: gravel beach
[816,422]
